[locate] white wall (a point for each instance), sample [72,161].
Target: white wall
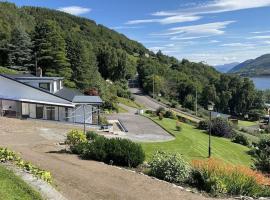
[10,89]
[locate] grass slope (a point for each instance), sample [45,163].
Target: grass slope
[246,123]
[129,102]
[14,188]
[193,144]
[4,70]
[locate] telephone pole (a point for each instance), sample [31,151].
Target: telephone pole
[153,86]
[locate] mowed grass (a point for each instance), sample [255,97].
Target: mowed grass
[246,123]
[129,102]
[193,144]
[14,188]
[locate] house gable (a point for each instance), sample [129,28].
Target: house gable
[15,90]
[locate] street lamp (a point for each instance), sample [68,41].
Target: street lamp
[210,107]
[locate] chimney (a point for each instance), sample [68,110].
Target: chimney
[39,72]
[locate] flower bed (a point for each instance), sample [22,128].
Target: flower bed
[216,177]
[7,155]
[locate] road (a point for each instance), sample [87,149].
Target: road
[76,179]
[152,104]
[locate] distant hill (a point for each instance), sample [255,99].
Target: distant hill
[226,67]
[253,67]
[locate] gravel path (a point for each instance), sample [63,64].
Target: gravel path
[78,179]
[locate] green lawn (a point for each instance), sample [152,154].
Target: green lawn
[193,144]
[246,123]
[129,102]
[14,188]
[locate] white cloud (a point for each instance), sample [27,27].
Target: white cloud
[196,31]
[126,27]
[217,6]
[197,10]
[166,20]
[237,45]
[260,32]
[75,10]
[260,37]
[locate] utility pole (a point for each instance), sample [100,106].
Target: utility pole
[84,125]
[153,86]
[36,62]
[196,103]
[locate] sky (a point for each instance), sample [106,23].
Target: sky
[211,31]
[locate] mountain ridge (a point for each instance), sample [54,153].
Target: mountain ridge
[253,67]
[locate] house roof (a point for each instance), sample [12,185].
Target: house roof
[67,93]
[71,95]
[87,99]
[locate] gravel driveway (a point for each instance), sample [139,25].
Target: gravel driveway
[78,179]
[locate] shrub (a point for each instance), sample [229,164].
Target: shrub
[255,114]
[74,138]
[178,126]
[203,125]
[116,151]
[216,177]
[124,152]
[160,110]
[240,139]
[160,116]
[169,167]
[170,114]
[150,112]
[96,149]
[262,155]
[91,135]
[221,127]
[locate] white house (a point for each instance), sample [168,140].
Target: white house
[27,96]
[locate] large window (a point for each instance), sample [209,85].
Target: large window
[45,86]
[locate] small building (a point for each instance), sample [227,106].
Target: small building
[26,96]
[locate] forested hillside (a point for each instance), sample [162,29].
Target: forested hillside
[88,54]
[253,67]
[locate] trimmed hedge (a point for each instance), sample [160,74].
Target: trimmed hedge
[115,151]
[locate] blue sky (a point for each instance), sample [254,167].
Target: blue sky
[215,31]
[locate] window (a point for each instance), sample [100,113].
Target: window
[45,86]
[58,85]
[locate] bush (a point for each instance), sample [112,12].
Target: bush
[124,152]
[170,114]
[74,138]
[116,151]
[169,167]
[255,114]
[178,126]
[96,149]
[150,112]
[221,127]
[160,116]
[262,155]
[215,177]
[91,135]
[160,110]
[203,125]
[240,139]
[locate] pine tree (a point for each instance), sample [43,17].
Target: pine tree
[50,47]
[83,63]
[19,48]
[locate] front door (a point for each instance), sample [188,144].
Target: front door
[39,111]
[50,113]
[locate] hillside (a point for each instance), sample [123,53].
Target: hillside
[253,67]
[226,67]
[87,54]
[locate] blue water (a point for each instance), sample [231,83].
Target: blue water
[262,82]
